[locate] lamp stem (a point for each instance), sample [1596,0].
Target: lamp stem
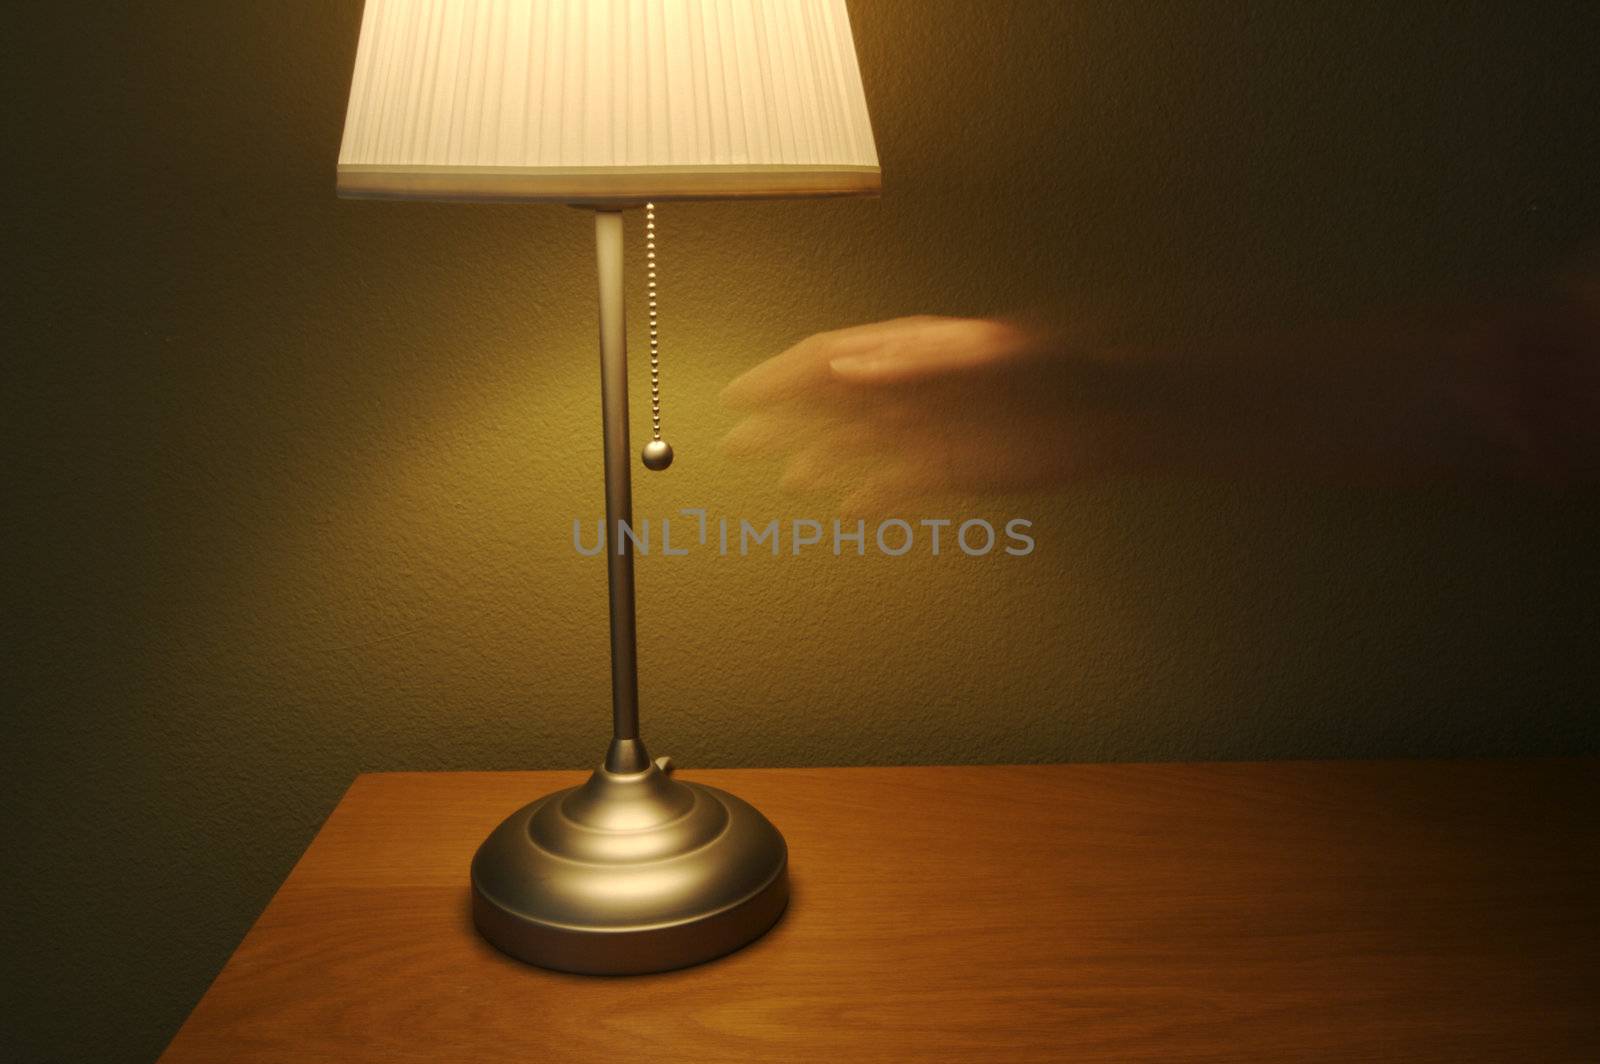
[619,494]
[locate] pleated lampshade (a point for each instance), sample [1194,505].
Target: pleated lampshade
[606,101]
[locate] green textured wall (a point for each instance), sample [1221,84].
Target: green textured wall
[289,480]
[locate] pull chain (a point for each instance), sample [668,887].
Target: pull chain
[657,454]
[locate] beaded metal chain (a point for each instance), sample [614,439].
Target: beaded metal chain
[657,453]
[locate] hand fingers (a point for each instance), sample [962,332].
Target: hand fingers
[766,433]
[935,348]
[790,429]
[804,367]
[851,450]
[901,461]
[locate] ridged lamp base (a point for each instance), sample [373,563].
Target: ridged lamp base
[632,872]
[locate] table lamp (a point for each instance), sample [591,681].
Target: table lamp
[606,105]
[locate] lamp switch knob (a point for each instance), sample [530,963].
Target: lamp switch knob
[665,764]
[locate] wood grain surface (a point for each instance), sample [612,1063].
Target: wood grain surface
[1287,911]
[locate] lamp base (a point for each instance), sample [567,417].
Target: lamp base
[632,872]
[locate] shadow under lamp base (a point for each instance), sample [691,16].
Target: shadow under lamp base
[632,872]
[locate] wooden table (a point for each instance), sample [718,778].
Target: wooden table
[1289,911]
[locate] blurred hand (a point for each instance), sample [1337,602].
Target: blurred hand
[894,410]
[905,407]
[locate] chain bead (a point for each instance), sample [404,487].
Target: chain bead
[657,454]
